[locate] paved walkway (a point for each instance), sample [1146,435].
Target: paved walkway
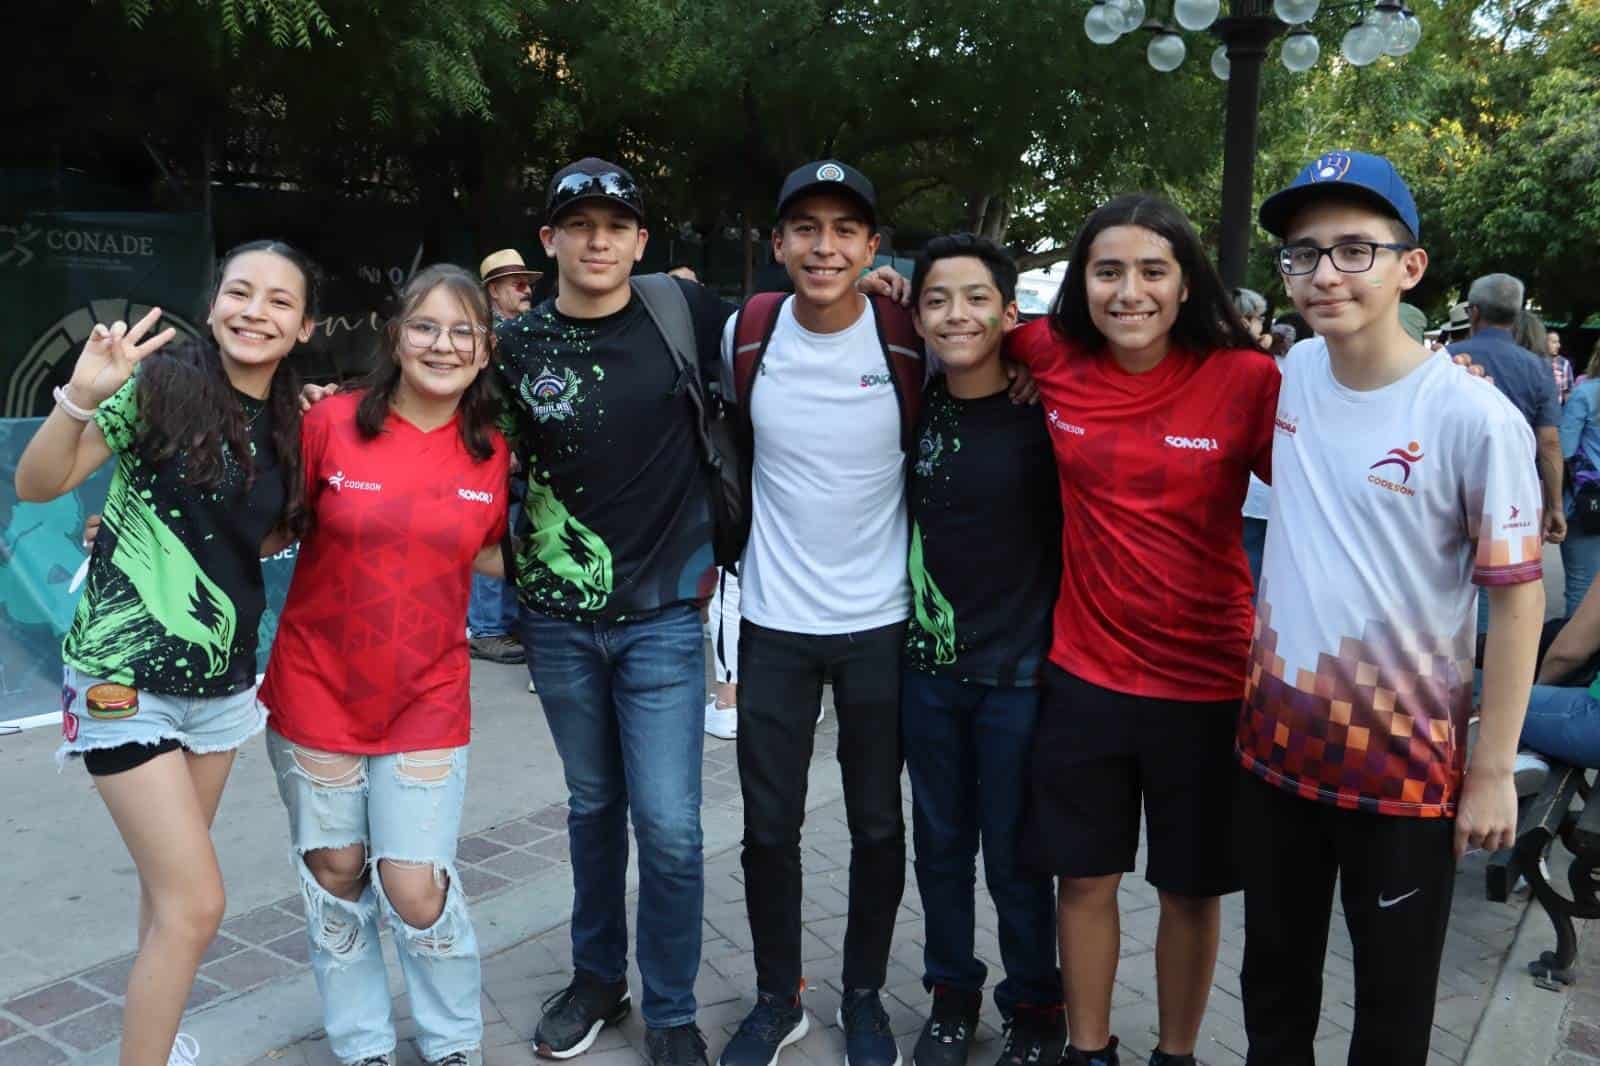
[255,1001]
[517,980]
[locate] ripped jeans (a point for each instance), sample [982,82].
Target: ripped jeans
[406,811]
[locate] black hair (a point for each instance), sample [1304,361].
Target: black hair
[187,403]
[480,404]
[1206,321]
[1002,268]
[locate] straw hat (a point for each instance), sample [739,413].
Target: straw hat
[505,263]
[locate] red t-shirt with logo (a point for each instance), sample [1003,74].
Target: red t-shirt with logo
[371,652]
[1155,589]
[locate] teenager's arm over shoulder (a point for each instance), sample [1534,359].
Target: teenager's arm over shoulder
[1032,345]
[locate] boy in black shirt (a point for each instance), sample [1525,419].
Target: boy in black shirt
[983,487]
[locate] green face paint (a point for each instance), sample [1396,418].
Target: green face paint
[993,321]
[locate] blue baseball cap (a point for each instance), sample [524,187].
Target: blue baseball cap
[1372,177]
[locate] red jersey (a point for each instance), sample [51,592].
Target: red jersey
[371,652]
[1155,589]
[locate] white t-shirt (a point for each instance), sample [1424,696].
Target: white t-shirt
[1388,507]
[828,533]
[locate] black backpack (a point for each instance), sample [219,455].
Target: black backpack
[667,307]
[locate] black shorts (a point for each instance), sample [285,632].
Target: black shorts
[1096,752]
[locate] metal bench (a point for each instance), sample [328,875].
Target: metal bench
[1547,817]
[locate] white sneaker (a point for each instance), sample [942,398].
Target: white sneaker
[721,722]
[185,1051]
[1529,771]
[530,685]
[820,712]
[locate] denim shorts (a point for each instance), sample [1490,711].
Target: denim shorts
[200,723]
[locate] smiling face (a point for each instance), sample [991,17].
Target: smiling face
[442,348]
[1337,304]
[259,313]
[825,242]
[595,243]
[1135,288]
[960,313]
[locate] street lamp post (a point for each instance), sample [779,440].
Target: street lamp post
[1382,27]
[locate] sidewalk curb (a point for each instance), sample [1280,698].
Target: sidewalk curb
[1521,1022]
[241,1030]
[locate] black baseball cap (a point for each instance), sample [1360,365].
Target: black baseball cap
[828,175]
[592,179]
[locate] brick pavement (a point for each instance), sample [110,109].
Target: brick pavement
[1579,1042]
[81,1014]
[516,981]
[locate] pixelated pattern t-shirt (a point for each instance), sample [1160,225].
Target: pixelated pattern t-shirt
[1388,508]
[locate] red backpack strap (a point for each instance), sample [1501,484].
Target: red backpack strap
[902,351]
[751,332]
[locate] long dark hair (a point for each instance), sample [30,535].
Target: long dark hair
[480,404]
[1207,320]
[188,405]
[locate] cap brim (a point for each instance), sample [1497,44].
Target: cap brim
[1279,208]
[557,212]
[834,188]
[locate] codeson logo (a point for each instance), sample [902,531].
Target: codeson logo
[338,482]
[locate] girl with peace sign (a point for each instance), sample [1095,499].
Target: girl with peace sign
[159,678]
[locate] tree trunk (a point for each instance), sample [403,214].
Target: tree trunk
[977,208]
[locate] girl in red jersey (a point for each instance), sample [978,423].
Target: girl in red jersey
[1159,406]
[160,663]
[367,687]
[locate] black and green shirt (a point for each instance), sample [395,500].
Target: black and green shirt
[617,518]
[985,540]
[174,596]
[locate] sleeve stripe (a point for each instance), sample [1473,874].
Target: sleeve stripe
[1517,574]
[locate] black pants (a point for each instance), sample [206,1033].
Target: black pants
[1395,875]
[780,687]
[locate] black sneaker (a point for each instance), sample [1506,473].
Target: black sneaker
[773,1025]
[681,1045]
[501,649]
[370,1060]
[574,1016]
[1106,1056]
[1166,1058]
[947,1034]
[867,1039]
[1035,1036]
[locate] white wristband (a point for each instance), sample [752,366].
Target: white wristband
[72,409]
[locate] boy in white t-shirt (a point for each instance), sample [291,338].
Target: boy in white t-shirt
[1399,485]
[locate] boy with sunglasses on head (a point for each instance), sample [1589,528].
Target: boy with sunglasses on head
[1398,486]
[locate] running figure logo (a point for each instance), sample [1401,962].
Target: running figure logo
[1402,458]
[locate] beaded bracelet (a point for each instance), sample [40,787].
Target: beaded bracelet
[72,409]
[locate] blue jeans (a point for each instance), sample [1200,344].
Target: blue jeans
[1580,558]
[406,810]
[625,702]
[492,610]
[966,748]
[1563,723]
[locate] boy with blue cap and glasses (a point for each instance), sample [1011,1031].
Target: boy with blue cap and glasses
[1400,485]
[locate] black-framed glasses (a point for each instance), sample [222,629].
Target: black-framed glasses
[424,332]
[1347,257]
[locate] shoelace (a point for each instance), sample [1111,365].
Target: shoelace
[185,1051]
[684,1044]
[941,1031]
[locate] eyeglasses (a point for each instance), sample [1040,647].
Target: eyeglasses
[1347,257]
[424,333]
